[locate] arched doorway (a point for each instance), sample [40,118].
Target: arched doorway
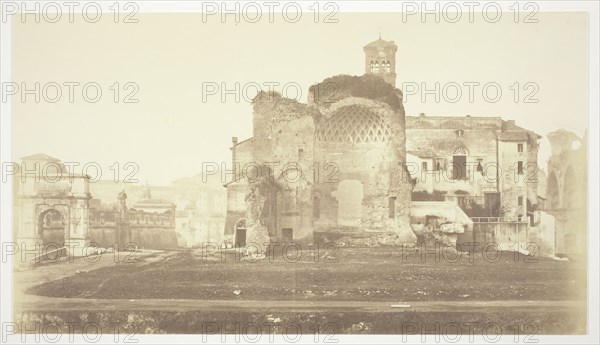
[459,163]
[51,228]
[240,233]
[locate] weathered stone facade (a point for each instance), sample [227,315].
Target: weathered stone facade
[365,160]
[334,166]
[380,59]
[485,161]
[566,191]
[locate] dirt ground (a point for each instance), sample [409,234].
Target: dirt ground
[353,274]
[347,290]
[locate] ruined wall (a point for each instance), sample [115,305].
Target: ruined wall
[567,171]
[368,162]
[237,187]
[146,230]
[377,164]
[294,149]
[236,206]
[571,232]
[282,197]
[144,237]
[567,192]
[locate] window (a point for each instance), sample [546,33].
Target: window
[300,154]
[520,148]
[460,133]
[424,166]
[392,207]
[520,201]
[520,168]
[374,66]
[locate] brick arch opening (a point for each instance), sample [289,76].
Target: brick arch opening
[552,193]
[52,227]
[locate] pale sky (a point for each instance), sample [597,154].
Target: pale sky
[171,131]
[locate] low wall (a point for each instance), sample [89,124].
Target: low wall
[504,235]
[544,234]
[450,211]
[144,237]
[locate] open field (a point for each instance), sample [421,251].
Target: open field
[352,274]
[353,285]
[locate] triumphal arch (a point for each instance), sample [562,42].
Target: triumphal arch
[51,206]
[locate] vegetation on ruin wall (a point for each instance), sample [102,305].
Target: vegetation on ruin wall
[366,86]
[285,108]
[264,189]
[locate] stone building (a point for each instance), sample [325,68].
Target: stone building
[338,165]
[380,59]
[331,167]
[485,164]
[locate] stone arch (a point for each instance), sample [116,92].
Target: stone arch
[552,192]
[461,150]
[52,227]
[74,219]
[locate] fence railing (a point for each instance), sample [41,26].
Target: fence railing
[521,219]
[463,200]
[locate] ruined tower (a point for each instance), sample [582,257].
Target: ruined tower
[380,59]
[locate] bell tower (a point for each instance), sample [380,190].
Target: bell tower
[380,59]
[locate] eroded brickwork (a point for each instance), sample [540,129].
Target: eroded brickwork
[335,164]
